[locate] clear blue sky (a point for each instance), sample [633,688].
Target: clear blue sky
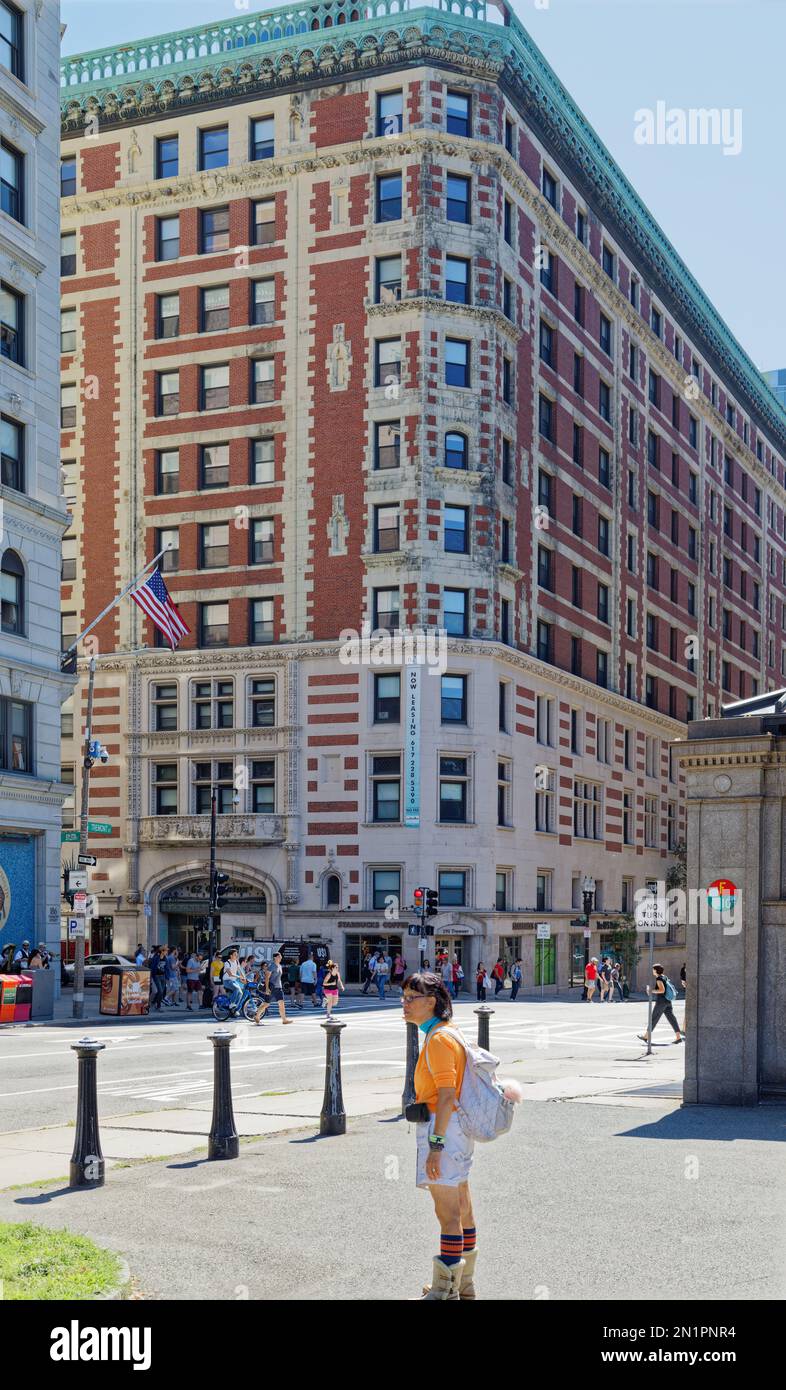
[725,215]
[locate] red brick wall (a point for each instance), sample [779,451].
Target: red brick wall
[100,167]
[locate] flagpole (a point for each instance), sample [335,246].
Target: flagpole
[115,601]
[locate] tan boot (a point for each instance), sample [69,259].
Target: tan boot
[467,1285]
[445,1282]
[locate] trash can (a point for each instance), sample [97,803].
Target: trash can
[16,996]
[125,992]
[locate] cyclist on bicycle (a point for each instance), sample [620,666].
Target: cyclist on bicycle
[234,978]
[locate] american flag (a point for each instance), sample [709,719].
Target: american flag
[154,600]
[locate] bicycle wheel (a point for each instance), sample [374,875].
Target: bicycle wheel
[221,1009]
[250,1007]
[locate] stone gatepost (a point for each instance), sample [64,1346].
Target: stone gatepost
[735,770]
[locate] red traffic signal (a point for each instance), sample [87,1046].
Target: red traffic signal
[419,896]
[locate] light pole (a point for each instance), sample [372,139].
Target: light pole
[653,887]
[588,896]
[212,904]
[78,999]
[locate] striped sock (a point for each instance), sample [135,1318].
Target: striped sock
[470,1239]
[450,1249]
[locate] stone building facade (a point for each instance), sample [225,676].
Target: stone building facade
[370,329]
[32,509]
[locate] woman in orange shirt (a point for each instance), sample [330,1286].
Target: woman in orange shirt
[444,1153]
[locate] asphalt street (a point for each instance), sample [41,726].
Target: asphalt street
[167,1062]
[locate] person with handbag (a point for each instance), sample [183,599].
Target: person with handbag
[444,1151]
[480,983]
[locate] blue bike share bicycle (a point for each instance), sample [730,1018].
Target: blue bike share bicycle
[247,1005]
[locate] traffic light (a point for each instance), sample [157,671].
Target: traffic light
[220,887]
[432,902]
[420,899]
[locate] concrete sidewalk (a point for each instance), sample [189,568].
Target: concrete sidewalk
[694,1202]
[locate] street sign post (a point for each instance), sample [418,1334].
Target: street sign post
[80,904]
[542,933]
[76,927]
[69,837]
[88,859]
[651,916]
[99,827]
[77,881]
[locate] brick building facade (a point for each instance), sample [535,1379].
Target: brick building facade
[369,328]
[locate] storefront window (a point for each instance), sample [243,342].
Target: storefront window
[358,947]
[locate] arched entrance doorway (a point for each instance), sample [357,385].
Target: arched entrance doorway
[183,906]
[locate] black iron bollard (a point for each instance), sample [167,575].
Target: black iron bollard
[408,1094]
[87,1160]
[333,1118]
[484,1014]
[222,1140]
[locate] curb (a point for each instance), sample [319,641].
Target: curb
[117,1293]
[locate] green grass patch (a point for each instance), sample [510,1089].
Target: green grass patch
[37,1263]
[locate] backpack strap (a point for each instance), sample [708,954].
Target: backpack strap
[453,1033]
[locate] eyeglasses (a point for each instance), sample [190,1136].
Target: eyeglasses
[411,998]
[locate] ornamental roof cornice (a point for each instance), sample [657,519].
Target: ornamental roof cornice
[233,60]
[433,304]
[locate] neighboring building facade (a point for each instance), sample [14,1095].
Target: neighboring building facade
[777,383]
[32,512]
[374,330]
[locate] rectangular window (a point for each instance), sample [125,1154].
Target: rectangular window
[220,775]
[604,401]
[168,393]
[261,539]
[650,821]
[67,330]
[605,334]
[214,230]
[503,688]
[165,707]
[458,205]
[388,197]
[544,801]
[386,528]
[213,704]
[604,468]
[454,609]
[501,892]
[578,303]
[12,181]
[167,315]
[578,445]
[263,786]
[387,444]
[263,222]
[545,567]
[603,603]
[576,585]
[214,465]
[387,616]
[68,554]
[386,788]
[546,491]
[387,699]
[627,818]
[548,271]
[213,624]
[68,176]
[507,381]
[457,280]
[261,138]
[545,641]
[387,288]
[262,468]
[214,308]
[387,361]
[168,540]
[214,545]
[453,787]
[68,254]
[263,301]
[546,418]
[385,886]
[167,162]
[12,39]
[549,188]
[165,789]
[457,362]
[260,621]
[12,471]
[507,221]
[545,720]
[603,535]
[507,471]
[454,700]
[504,774]
[167,238]
[263,703]
[609,260]
[12,324]
[390,113]
[587,810]
[214,387]
[656,321]
[581,226]
[458,114]
[456,529]
[263,380]
[214,147]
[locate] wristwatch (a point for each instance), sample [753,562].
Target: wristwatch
[436,1141]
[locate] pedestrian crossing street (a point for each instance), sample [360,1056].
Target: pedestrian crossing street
[273,1058]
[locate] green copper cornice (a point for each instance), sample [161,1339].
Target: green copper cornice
[299,46]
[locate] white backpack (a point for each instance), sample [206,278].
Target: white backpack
[483,1110]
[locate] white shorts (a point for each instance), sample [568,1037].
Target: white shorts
[456,1157]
